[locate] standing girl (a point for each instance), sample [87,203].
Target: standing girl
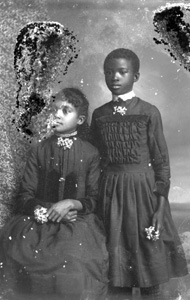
[55,245]
[144,247]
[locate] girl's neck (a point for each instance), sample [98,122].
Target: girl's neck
[66,135]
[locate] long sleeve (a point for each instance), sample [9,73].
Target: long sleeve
[159,154]
[96,137]
[27,200]
[89,202]
[93,130]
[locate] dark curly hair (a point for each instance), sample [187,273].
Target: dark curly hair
[123,53]
[78,99]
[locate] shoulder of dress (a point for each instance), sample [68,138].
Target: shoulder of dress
[147,106]
[143,102]
[44,142]
[88,148]
[41,144]
[99,110]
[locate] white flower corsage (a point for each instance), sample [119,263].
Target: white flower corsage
[40,215]
[152,234]
[120,110]
[66,143]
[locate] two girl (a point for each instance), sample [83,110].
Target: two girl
[56,245]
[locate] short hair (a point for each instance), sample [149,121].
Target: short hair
[124,53]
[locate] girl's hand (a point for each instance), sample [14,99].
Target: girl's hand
[59,210]
[158,217]
[64,210]
[157,220]
[71,216]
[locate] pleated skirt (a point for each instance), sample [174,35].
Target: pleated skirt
[127,206]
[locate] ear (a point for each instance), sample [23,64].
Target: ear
[81,120]
[136,77]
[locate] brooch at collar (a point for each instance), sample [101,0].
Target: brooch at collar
[120,110]
[66,140]
[66,143]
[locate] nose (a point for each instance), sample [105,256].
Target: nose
[115,76]
[57,113]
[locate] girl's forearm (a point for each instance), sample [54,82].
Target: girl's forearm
[161,203]
[76,204]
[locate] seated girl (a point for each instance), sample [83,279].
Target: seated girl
[55,245]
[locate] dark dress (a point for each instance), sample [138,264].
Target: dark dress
[136,169]
[67,258]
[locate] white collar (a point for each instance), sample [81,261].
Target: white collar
[124,97]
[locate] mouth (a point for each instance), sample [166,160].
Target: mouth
[115,86]
[56,123]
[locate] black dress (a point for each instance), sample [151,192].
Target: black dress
[136,169]
[67,258]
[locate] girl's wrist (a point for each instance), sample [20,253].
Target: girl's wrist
[75,204]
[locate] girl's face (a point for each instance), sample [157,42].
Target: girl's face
[66,117]
[119,76]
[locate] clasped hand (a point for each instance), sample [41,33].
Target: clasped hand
[62,211]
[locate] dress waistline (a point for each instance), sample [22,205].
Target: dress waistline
[128,168]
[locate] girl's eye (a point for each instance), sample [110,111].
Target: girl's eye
[122,72]
[65,110]
[108,72]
